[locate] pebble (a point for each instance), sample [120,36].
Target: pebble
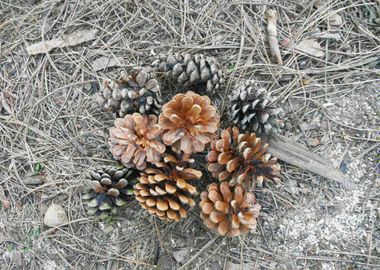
[17,259]
[180,255]
[55,216]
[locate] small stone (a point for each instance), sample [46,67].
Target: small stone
[17,258]
[164,263]
[55,216]
[314,124]
[313,141]
[235,266]
[335,19]
[180,255]
[32,180]
[325,139]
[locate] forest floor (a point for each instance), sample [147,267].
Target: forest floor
[54,127]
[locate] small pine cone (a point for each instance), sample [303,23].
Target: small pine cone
[195,70]
[189,122]
[241,159]
[164,190]
[137,91]
[252,109]
[229,210]
[134,140]
[110,189]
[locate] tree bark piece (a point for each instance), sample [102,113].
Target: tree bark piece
[271,16]
[298,155]
[70,40]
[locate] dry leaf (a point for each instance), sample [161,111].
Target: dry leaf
[6,101]
[310,47]
[3,199]
[107,62]
[334,19]
[70,40]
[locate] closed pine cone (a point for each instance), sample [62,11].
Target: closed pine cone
[164,191]
[134,140]
[198,70]
[253,110]
[189,122]
[229,210]
[136,91]
[241,159]
[109,190]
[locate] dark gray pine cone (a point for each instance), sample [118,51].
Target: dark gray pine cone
[137,91]
[198,71]
[252,109]
[109,189]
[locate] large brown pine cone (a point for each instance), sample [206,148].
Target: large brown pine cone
[137,91]
[189,122]
[109,190]
[164,191]
[241,159]
[134,140]
[253,109]
[229,210]
[198,71]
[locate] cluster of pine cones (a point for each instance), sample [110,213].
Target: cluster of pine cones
[156,143]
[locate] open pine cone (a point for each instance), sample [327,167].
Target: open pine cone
[110,189]
[229,210]
[164,191]
[189,122]
[253,109]
[196,70]
[242,159]
[134,140]
[136,91]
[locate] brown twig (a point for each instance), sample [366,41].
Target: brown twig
[271,16]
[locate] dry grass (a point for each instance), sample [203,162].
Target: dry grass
[55,123]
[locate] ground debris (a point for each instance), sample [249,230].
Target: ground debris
[310,47]
[73,39]
[104,62]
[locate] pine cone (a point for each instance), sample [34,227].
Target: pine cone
[189,122]
[192,70]
[134,92]
[229,210]
[110,189]
[164,190]
[241,159]
[134,140]
[253,110]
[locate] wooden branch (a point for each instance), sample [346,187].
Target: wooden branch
[271,16]
[298,155]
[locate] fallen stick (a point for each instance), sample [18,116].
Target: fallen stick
[271,16]
[298,155]
[70,40]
